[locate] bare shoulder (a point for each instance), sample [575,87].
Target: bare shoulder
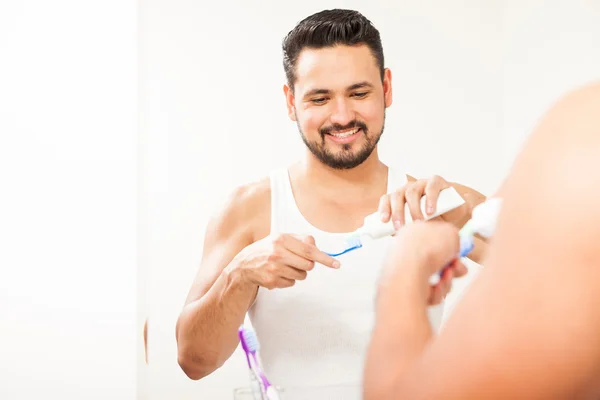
[240,221]
[246,211]
[558,168]
[551,196]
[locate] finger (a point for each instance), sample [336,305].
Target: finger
[306,249]
[290,272]
[413,199]
[385,208]
[285,283]
[432,192]
[397,207]
[435,296]
[459,269]
[293,260]
[446,282]
[442,288]
[274,281]
[455,270]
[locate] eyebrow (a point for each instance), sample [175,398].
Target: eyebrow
[355,86]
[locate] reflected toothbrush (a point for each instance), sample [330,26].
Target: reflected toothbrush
[254,379]
[251,347]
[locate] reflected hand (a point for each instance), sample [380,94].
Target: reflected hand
[279,261]
[392,205]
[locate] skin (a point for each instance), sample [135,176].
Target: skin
[333,87]
[391,206]
[529,326]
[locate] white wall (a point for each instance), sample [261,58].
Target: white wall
[549,47]
[212,103]
[68,199]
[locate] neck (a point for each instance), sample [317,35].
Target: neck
[371,173]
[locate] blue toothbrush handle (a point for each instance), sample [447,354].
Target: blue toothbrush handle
[343,252]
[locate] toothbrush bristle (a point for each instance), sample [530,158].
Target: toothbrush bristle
[250,339]
[354,241]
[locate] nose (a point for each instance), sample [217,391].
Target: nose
[343,113]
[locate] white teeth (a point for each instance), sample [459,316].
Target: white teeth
[345,134]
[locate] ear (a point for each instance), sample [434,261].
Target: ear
[387,87]
[289,102]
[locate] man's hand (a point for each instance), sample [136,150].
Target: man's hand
[280,261]
[419,251]
[392,205]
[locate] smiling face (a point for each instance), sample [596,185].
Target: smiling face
[339,102]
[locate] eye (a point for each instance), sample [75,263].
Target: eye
[319,100]
[360,95]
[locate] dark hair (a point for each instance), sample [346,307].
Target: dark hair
[329,28]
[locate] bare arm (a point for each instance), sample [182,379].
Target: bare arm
[529,326]
[239,256]
[219,298]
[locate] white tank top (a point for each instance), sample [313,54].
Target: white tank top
[315,334]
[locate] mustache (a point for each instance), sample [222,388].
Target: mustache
[338,127]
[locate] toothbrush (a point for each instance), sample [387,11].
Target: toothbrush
[374,228]
[352,243]
[254,382]
[251,347]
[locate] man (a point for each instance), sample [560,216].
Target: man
[272,234]
[529,326]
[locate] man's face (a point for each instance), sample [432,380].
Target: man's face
[339,103]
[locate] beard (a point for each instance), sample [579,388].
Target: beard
[346,158]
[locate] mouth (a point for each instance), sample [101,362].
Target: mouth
[345,136]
